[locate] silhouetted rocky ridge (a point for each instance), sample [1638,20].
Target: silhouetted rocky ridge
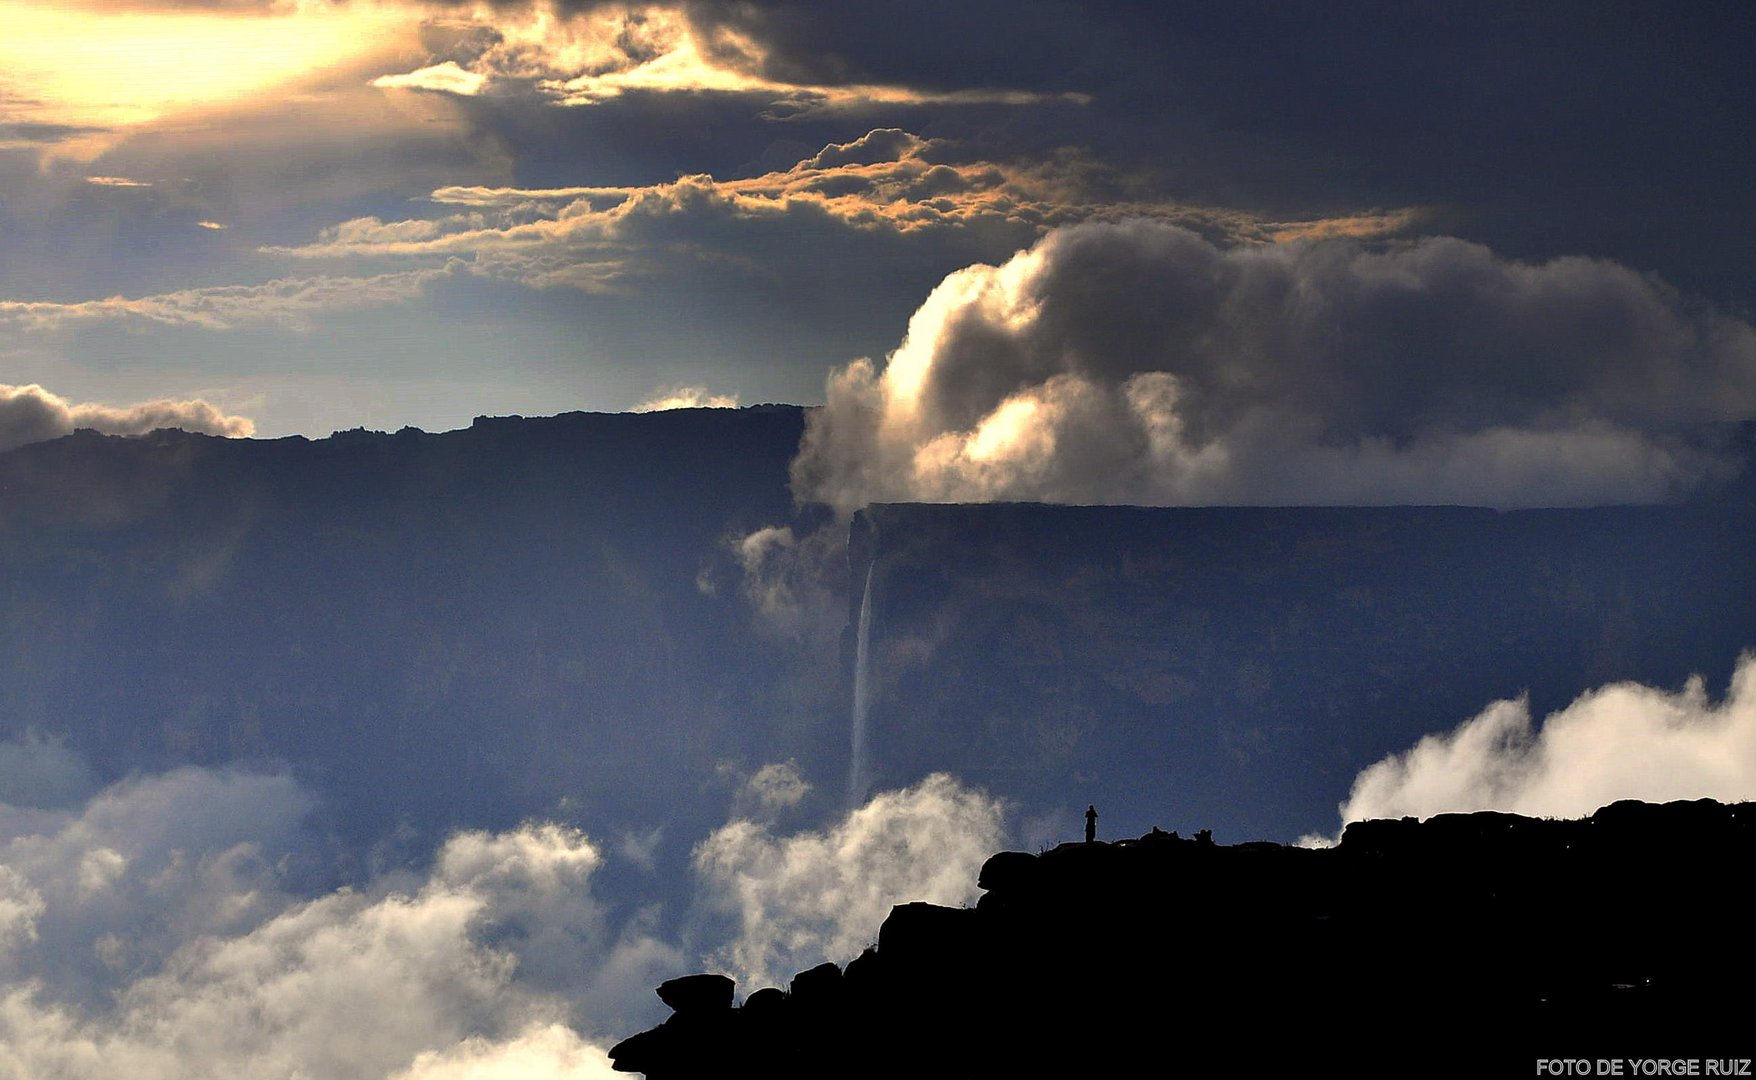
[1466,944]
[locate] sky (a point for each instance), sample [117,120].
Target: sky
[1252,252]
[299,216]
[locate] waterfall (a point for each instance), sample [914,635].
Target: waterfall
[857,779]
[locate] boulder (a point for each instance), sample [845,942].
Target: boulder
[695,993]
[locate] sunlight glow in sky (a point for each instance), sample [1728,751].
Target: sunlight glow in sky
[116,68]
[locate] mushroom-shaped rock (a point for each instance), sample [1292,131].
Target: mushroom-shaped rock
[693,993]
[642,1053]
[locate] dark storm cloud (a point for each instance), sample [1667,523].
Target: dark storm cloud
[1615,130]
[935,44]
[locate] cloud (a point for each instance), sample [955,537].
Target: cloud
[543,1052]
[31,414]
[1136,362]
[816,896]
[133,872]
[887,179]
[777,786]
[771,792]
[445,78]
[792,581]
[149,933]
[73,75]
[686,397]
[573,55]
[1623,741]
[156,929]
[32,135]
[888,182]
[531,233]
[290,302]
[185,924]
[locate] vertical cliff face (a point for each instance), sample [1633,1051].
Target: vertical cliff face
[470,627]
[1462,945]
[437,629]
[1239,666]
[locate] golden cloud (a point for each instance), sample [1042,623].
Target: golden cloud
[86,70]
[887,180]
[592,56]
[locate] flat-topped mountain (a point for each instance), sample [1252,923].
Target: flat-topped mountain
[1239,665]
[542,616]
[436,629]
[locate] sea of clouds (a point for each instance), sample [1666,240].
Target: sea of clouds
[157,927]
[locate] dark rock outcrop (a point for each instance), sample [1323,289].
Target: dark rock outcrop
[1462,945]
[697,993]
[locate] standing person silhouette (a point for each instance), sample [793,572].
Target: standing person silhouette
[1090,824]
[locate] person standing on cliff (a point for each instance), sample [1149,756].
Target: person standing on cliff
[1090,824]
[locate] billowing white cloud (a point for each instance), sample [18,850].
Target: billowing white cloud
[157,930]
[1623,741]
[134,871]
[1136,362]
[149,933]
[686,397]
[446,78]
[815,896]
[31,414]
[543,1052]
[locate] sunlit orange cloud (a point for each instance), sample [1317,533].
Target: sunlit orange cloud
[1348,227]
[887,180]
[118,69]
